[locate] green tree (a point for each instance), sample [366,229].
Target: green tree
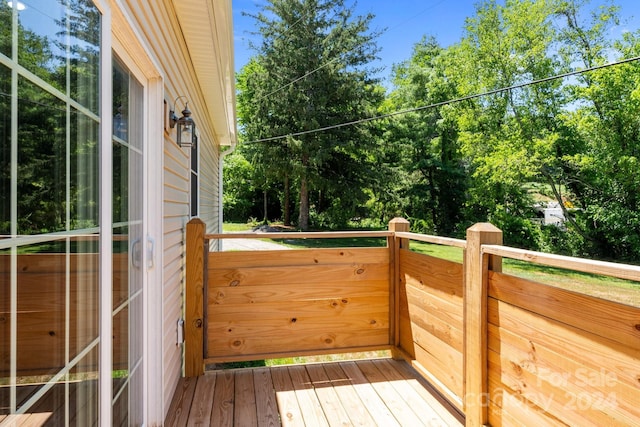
[508,137]
[427,140]
[600,164]
[312,72]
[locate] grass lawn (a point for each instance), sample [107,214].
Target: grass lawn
[234,227]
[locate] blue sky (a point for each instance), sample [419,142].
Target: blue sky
[406,22]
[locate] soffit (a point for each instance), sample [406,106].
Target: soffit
[207,28]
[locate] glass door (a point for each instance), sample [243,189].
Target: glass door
[50,229]
[128,246]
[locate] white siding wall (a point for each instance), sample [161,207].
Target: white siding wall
[209,184]
[175,215]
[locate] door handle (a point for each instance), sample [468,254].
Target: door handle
[136,255]
[151,250]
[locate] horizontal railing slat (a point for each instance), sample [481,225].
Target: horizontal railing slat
[301,235]
[612,269]
[447,241]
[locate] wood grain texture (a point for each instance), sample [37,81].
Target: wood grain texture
[288,406]
[434,314]
[309,402]
[402,385]
[576,376]
[239,259]
[608,319]
[300,235]
[245,415]
[223,404]
[178,413]
[347,394]
[621,271]
[475,320]
[431,318]
[380,392]
[266,404]
[369,395]
[194,299]
[292,274]
[297,302]
[427,272]
[295,292]
[200,414]
[396,403]
[44,288]
[448,412]
[331,405]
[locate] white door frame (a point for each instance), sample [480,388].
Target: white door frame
[133,54]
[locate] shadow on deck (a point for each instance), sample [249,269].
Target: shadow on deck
[381,392]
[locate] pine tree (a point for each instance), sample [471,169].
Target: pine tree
[312,71]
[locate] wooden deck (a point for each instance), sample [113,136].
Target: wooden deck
[379,392]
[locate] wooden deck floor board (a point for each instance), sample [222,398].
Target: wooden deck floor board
[363,393]
[181,403]
[447,412]
[266,405]
[347,394]
[245,414]
[418,405]
[396,403]
[288,406]
[312,411]
[329,400]
[223,400]
[201,407]
[372,401]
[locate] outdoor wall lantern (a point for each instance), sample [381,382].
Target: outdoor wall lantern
[186,127]
[19,5]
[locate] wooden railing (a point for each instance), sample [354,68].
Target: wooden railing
[500,348]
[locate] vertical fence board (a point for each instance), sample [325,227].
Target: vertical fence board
[194,299]
[395,244]
[475,321]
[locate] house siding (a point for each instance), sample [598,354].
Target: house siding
[157,24]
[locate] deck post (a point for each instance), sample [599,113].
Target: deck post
[395,244]
[476,272]
[196,250]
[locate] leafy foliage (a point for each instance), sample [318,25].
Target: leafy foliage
[447,166]
[321,46]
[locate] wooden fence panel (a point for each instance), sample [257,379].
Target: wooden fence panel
[570,357]
[431,318]
[281,303]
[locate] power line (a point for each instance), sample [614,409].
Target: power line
[308,73]
[304,76]
[451,101]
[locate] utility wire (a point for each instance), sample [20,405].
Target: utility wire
[307,74]
[451,101]
[304,76]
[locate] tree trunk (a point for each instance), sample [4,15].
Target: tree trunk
[264,201]
[287,202]
[303,215]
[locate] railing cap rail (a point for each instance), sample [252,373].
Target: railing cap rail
[448,241]
[612,269]
[300,235]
